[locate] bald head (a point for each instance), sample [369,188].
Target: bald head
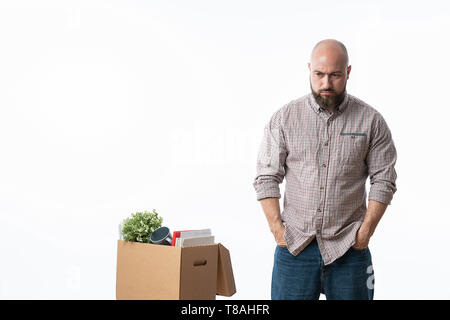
[329,73]
[331,49]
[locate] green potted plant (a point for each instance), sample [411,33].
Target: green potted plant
[140,226]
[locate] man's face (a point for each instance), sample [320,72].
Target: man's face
[328,79]
[328,98]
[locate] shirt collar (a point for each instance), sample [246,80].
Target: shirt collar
[339,110]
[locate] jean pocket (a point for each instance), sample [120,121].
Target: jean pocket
[359,250]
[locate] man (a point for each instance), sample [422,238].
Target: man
[325,144]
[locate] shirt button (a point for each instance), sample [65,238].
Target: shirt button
[325,144]
[318,210]
[324,165]
[321,187]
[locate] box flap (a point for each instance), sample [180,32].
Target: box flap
[225,278]
[198,272]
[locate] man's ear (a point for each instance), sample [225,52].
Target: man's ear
[349,68]
[309,66]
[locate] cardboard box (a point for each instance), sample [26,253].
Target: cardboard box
[148,271]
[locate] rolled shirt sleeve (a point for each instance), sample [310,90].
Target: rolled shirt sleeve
[380,160]
[270,168]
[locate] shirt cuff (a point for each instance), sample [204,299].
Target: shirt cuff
[267,190]
[381,196]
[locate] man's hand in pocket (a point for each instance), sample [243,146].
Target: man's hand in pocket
[278,233]
[362,239]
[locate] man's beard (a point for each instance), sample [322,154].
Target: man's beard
[329,102]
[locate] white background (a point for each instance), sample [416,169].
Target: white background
[113,107]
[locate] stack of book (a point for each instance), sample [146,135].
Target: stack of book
[189,238]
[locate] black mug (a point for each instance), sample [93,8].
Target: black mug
[161,236]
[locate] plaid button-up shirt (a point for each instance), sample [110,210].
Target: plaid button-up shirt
[326,159]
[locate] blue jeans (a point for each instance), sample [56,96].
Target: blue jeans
[304,277]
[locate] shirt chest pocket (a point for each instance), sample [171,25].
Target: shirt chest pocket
[305,148]
[352,147]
